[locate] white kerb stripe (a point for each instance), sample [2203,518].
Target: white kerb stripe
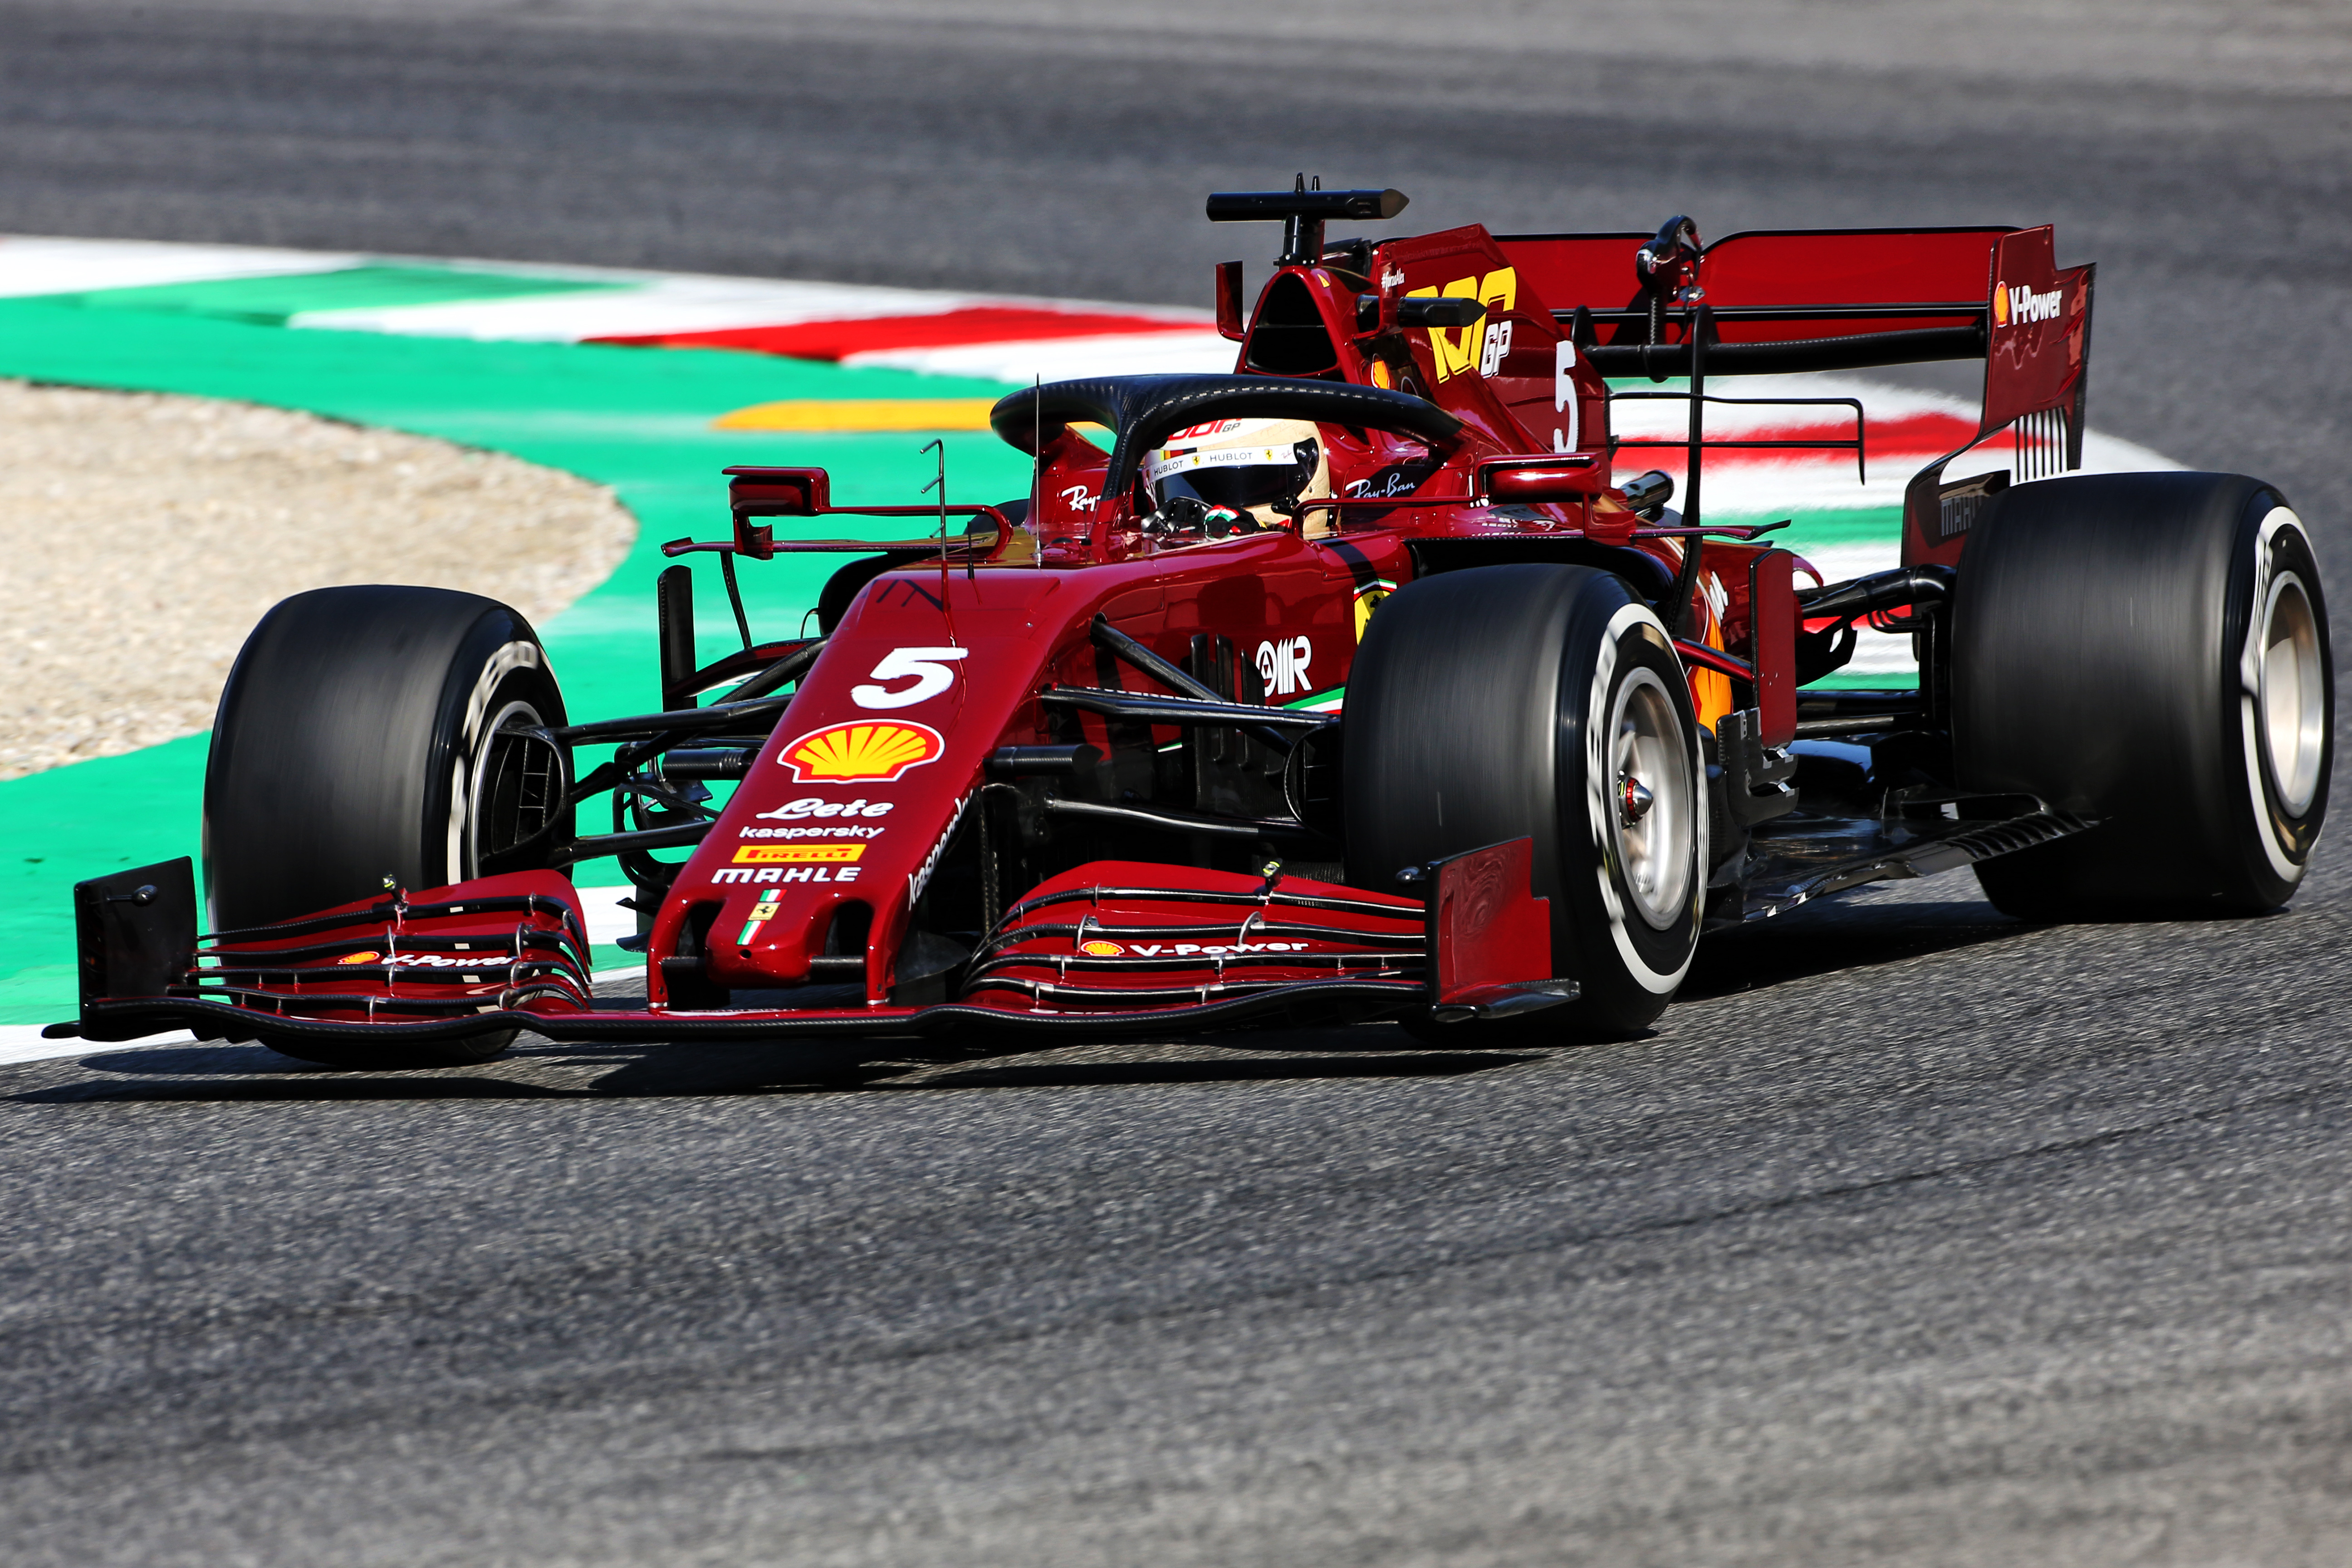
[32,265]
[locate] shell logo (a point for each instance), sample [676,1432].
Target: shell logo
[2000,305]
[1100,949]
[861,750]
[359,958]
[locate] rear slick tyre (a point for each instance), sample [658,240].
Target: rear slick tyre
[372,737]
[1546,702]
[2150,650]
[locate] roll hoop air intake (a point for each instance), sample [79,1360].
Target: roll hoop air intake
[1144,409]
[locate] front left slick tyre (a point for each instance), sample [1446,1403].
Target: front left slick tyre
[366,733]
[374,736]
[1546,702]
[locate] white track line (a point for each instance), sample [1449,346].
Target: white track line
[654,305]
[22,1043]
[30,264]
[635,304]
[607,918]
[662,307]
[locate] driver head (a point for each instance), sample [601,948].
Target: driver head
[1257,469]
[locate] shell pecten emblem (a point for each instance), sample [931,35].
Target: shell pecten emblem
[861,749]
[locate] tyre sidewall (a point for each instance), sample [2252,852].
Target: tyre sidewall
[2274,845]
[1628,968]
[498,669]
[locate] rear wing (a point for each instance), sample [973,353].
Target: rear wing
[1777,301]
[1784,300]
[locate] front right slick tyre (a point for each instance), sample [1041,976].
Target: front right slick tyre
[1546,702]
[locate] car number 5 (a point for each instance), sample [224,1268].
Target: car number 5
[929,666]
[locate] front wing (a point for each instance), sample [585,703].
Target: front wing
[1112,948]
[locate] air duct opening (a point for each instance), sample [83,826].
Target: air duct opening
[1290,338]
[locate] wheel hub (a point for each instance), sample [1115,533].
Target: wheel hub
[2290,702]
[1656,816]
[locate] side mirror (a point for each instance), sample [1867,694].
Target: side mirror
[1565,478]
[772,492]
[1421,310]
[1649,494]
[1231,321]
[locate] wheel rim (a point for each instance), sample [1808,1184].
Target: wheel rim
[516,786]
[2292,696]
[1649,800]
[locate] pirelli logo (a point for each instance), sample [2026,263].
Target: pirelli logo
[798,854]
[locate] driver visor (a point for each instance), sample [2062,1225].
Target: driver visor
[1238,477]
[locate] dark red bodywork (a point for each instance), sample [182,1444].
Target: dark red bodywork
[878,772]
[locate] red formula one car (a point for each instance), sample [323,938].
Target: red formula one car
[1346,685]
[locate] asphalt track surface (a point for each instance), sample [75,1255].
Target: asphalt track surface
[1912,1234]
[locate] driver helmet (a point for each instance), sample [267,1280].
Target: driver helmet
[1241,473]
